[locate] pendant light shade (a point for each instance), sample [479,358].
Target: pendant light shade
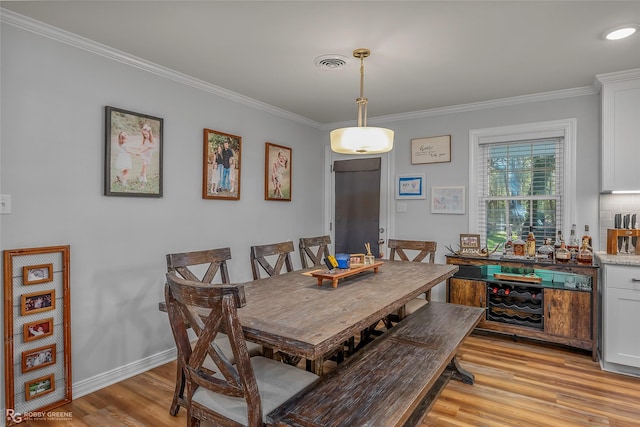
[361,139]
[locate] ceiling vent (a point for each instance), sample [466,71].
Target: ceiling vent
[331,62]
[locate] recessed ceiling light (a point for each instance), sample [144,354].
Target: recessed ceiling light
[620,32]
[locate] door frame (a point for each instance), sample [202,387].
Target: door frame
[386,192]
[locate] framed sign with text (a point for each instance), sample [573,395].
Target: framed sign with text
[435,149]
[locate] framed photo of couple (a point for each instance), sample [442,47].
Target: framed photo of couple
[133,154]
[221,165]
[277,170]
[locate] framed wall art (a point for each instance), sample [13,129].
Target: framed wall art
[469,243]
[434,149]
[447,200]
[133,154]
[221,165]
[37,330]
[38,358]
[35,274]
[410,186]
[277,172]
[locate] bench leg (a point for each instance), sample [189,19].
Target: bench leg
[459,373]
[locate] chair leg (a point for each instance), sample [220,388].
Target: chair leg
[178,393]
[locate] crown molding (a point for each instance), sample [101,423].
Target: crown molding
[45,30]
[618,76]
[53,33]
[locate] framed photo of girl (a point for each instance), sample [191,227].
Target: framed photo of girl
[277,168]
[222,159]
[133,154]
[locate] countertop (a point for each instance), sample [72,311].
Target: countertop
[605,258]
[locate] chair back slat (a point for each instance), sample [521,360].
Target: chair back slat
[259,254]
[308,253]
[184,263]
[188,299]
[425,249]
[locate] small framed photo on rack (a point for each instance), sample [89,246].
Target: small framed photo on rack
[38,358]
[37,302]
[34,274]
[410,186]
[39,386]
[39,329]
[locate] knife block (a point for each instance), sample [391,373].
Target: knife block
[612,239]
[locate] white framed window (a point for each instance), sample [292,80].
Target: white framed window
[522,176]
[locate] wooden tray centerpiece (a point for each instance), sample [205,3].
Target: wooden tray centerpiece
[342,273]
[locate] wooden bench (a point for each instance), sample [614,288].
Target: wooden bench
[393,381]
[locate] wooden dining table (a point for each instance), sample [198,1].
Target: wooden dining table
[292,314]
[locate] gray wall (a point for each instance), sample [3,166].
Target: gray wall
[419,223]
[53,98]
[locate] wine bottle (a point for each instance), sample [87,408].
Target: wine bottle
[563,254]
[587,237]
[573,244]
[531,244]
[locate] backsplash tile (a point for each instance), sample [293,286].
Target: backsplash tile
[611,204]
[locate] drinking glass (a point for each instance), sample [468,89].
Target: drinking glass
[570,282]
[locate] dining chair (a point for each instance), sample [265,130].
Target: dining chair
[419,250]
[239,394]
[259,254]
[203,266]
[313,250]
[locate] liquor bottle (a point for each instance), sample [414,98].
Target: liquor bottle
[562,253]
[573,244]
[587,237]
[545,252]
[531,244]
[558,241]
[508,244]
[585,254]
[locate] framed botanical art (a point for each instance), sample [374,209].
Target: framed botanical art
[277,172]
[222,159]
[37,330]
[434,149]
[411,186]
[133,154]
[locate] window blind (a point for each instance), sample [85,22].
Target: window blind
[520,185]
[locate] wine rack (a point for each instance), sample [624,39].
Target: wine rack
[515,304]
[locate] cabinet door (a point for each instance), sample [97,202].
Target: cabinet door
[620,130]
[467,292]
[622,318]
[567,313]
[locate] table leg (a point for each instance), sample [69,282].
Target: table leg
[334,283]
[319,281]
[316,365]
[459,373]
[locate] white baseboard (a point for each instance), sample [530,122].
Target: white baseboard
[105,379]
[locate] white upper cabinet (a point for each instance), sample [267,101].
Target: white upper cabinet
[620,168]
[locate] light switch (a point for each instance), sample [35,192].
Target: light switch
[401,207]
[5,204]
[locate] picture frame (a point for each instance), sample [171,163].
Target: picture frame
[433,149]
[35,274]
[278,167]
[469,243]
[33,335]
[39,387]
[37,358]
[133,154]
[38,329]
[410,186]
[448,200]
[222,160]
[37,302]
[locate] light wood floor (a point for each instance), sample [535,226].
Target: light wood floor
[517,384]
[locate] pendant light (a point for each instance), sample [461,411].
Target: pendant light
[361,139]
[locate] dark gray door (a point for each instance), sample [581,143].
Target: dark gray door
[357,205]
